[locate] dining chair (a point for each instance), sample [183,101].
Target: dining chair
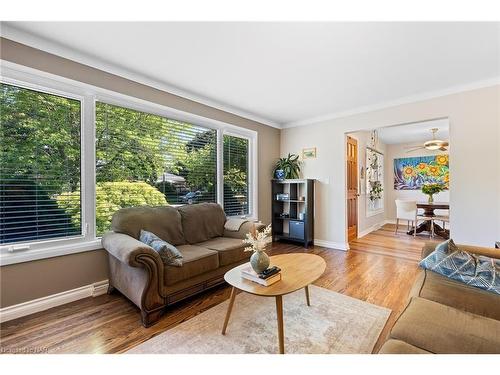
[405,210]
[443,216]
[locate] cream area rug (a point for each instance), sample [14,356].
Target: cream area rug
[334,323]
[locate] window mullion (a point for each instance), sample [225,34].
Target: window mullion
[220,167]
[88,168]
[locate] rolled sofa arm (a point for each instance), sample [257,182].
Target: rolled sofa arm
[244,229]
[129,250]
[479,250]
[137,271]
[491,252]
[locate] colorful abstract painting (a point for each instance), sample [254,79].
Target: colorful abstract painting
[412,173]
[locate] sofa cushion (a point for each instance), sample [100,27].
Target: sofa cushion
[196,260]
[231,250]
[400,347]
[438,288]
[201,222]
[438,328]
[163,221]
[450,261]
[169,254]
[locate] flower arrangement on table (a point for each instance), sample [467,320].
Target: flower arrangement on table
[431,189]
[258,242]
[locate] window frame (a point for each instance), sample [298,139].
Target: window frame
[89,95]
[251,167]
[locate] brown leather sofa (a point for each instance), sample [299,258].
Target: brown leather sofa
[208,250]
[447,316]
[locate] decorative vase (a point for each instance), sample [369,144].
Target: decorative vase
[280,174]
[259,261]
[431,199]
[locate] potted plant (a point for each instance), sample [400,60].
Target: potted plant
[258,242]
[288,167]
[375,190]
[431,189]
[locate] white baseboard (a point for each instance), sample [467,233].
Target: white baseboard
[390,221]
[371,229]
[44,303]
[332,245]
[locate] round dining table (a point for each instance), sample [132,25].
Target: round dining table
[425,226]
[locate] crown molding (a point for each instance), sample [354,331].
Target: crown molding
[46,45]
[394,103]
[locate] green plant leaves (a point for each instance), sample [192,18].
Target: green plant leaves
[290,165]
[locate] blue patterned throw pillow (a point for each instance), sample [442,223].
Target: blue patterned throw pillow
[475,270]
[170,255]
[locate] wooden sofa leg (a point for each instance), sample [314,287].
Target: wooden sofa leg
[148,319]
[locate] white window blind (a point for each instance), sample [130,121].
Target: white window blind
[146,159]
[39,165]
[235,163]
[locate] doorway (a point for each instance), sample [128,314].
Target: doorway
[352,188]
[386,171]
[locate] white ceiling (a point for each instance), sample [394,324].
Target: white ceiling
[415,132]
[283,74]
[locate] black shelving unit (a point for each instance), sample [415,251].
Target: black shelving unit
[297,197]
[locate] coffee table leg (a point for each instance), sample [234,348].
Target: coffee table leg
[279,313]
[307,295]
[229,309]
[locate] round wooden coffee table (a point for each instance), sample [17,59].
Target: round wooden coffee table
[297,271]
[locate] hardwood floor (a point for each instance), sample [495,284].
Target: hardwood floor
[380,268]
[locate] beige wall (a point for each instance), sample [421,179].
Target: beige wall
[367,222]
[474,161]
[399,151]
[26,281]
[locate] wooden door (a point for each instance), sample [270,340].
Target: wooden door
[352,189]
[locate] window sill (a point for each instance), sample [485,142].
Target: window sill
[7,258]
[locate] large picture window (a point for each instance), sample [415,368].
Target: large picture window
[71,155]
[146,159]
[39,165]
[235,175]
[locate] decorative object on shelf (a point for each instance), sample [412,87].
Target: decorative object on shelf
[374,180]
[431,189]
[282,197]
[301,216]
[279,174]
[258,242]
[284,215]
[290,165]
[309,153]
[412,173]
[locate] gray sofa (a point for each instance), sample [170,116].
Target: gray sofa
[208,250]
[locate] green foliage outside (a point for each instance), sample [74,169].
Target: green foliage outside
[111,196]
[236,180]
[40,136]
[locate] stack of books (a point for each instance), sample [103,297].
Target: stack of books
[266,278]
